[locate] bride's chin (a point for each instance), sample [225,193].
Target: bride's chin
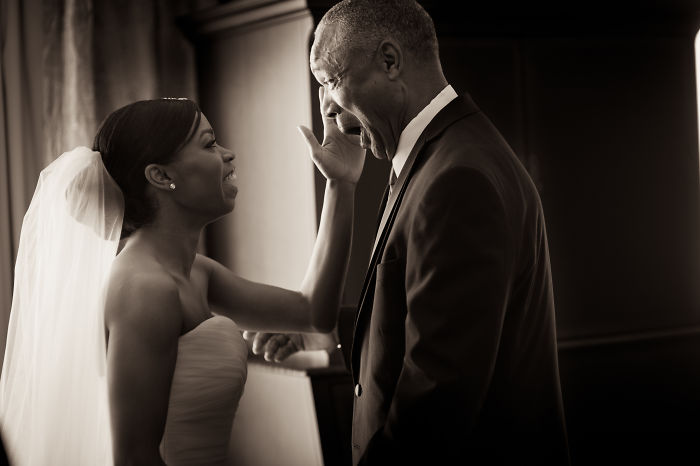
[230,204]
[228,195]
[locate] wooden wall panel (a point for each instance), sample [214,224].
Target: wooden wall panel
[612,123]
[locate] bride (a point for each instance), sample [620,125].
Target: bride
[126,352]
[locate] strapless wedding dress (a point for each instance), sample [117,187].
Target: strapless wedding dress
[208,381]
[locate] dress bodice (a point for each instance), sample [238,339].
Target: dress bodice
[208,381]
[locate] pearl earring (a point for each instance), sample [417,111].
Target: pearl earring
[172,186]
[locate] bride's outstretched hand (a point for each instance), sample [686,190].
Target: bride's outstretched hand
[340,156]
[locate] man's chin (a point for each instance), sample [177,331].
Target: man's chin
[370,146]
[378,152]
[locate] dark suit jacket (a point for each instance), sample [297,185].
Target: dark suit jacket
[454,351]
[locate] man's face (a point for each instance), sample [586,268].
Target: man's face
[355,90]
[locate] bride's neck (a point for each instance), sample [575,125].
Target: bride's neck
[174,248]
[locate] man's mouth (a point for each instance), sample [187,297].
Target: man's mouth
[364,140]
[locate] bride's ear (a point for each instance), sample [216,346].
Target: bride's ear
[157,176]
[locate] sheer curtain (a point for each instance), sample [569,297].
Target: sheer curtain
[64,65]
[21,131]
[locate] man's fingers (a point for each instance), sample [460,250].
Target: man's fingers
[286,350]
[330,124]
[273,345]
[260,341]
[278,346]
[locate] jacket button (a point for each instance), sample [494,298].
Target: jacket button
[358,390]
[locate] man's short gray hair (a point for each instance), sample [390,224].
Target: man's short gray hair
[364,23]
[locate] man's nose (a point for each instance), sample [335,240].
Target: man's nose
[329,108]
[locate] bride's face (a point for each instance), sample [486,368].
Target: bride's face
[204,174]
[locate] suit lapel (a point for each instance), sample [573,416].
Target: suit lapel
[455,110]
[393,200]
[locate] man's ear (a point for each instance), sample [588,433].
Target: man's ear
[391,57]
[157,176]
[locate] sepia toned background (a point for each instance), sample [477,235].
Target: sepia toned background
[598,99]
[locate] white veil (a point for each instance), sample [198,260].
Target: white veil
[53,391]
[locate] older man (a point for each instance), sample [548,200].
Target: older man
[454,350]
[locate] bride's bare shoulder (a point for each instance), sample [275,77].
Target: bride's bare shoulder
[140,288]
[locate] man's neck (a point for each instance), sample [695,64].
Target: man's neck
[421,89]
[422,86]
[412,131]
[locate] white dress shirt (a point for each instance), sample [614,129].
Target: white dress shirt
[415,127]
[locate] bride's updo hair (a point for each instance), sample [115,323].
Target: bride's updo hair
[136,135]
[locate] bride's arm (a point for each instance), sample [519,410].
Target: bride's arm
[144,320]
[314,307]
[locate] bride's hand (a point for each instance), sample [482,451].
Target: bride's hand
[340,156]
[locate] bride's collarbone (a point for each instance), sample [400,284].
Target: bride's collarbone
[193,301]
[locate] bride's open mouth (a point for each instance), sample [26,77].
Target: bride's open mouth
[231,176]
[228,183]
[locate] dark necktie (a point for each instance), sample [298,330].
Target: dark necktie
[386,196]
[392,181]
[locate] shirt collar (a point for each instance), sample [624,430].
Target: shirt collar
[415,127]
